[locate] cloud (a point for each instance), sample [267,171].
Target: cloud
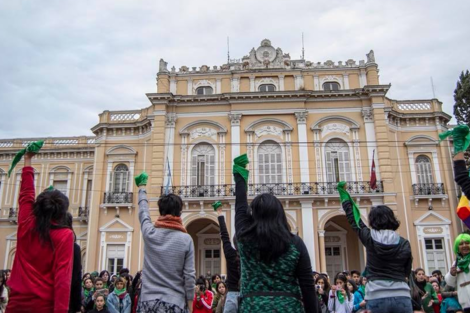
[64,62]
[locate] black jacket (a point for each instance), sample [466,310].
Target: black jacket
[76,287]
[384,262]
[461,176]
[231,255]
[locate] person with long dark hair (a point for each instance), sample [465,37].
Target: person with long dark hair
[42,270]
[323,289]
[428,294]
[276,273]
[76,287]
[106,278]
[341,300]
[388,256]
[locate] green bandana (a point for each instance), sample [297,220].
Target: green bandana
[363,289]
[141,179]
[239,167]
[344,196]
[461,135]
[216,205]
[87,292]
[50,188]
[33,147]
[120,291]
[340,297]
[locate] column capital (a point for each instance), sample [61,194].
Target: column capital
[321,233]
[368,114]
[301,117]
[170,119]
[235,118]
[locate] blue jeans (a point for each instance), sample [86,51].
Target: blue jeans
[231,303]
[390,305]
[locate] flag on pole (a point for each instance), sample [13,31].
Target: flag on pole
[373,177]
[167,187]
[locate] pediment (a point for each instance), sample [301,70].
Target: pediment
[432,218]
[116,225]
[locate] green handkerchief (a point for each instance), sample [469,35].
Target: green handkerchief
[216,205]
[33,147]
[242,171]
[241,160]
[345,196]
[141,179]
[461,135]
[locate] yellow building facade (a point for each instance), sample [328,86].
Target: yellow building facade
[304,125]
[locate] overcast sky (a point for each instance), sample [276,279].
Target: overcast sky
[63,62]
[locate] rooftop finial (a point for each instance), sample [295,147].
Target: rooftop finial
[228,50]
[303,50]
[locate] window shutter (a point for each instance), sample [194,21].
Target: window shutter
[344,165]
[111,180]
[330,176]
[194,170]
[210,169]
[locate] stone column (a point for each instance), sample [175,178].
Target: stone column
[170,123]
[235,132]
[316,82]
[235,84]
[218,85]
[346,81]
[303,147]
[281,82]
[173,85]
[321,241]
[252,83]
[190,86]
[299,82]
[307,230]
[363,78]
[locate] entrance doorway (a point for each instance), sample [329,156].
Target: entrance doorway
[207,245]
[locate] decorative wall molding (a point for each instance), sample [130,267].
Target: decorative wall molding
[268,130]
[203,132]
[335,128]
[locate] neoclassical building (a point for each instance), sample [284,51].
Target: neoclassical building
[304,125]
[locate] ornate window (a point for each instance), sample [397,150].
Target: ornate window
[267,88]
[115,255]
[269,163]
[203,165]
[338,167]
[424,170]
[204,90]
[120,179]
[331,86]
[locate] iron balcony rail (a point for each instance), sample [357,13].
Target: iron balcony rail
[13,213]
[281,189]
[428,189]
[83,213]
[118,197]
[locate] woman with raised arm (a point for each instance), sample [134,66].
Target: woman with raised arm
[42,270]
[388,256]
[168,274]
[276,274]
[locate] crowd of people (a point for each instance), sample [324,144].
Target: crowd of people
[268,267]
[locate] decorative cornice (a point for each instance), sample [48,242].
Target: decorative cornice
[170,119]
[235,118]
[301,117]
[368,114]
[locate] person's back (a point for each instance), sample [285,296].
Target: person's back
[41,273]
[168,273]
[275,265]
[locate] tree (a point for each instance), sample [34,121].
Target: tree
[462,99]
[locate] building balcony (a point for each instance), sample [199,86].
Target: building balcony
[428,189]
[114,198]
[429,192]
[13,215]
[83,214]
[281,189]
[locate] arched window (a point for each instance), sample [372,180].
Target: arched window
[203,165]
[267,88]
[204,90]
[331,86]
[120,179]
[269,163]
[424,170]
[338,167]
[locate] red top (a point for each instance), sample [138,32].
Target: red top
[40,277]
[204,304]
[437,306]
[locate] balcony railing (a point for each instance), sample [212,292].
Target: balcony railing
[118,197]
[13,214]
[83,213]
[428,189]
[283,189]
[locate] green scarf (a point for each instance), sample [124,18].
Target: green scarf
[119,292]
[363,290]
[216,205]
[463,263]
[33,147]
[239,167]
[340,296]
[141,179]
[461,135]
[87,292]
[345,196]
